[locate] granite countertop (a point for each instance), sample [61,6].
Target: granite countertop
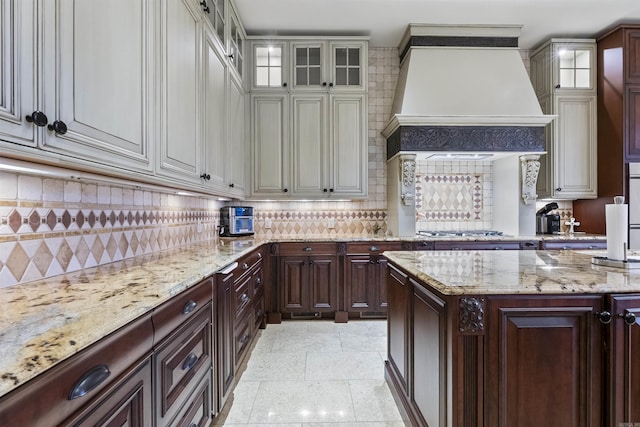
[516,272]
[46,321]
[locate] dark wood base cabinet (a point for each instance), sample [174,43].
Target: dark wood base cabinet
[512,360]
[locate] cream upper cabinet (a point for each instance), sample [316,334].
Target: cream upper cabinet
[270,145]
[215,80]
[98,81]
[563,74]
[348,65]
[309,144]
[18,72]
[237,148]
[180,90]
[348,145]
[270,65]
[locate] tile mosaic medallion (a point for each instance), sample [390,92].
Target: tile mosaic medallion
[450,197]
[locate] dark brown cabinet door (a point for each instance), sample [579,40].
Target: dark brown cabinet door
[380,281]
[309,284]
[623,360]
[545,366]
[398,325]
[633,58]
[360,276]
[323,276]
[294,275]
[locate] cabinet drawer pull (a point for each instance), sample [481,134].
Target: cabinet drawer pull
[245,266]
[244,298]
[189,307]
[374,249]
[90,380]
[59,127]
[244,339]
[259,255]
[455,248]
[498,248]
[258,280]
[191,360]
[259,313]
[308,249]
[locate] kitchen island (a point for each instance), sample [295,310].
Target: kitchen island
[512,338]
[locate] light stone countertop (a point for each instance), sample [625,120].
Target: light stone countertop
[516,272]
[46,321]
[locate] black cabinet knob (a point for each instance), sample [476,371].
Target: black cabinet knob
[232,185]
[284,84]
[331,84]
[38,118]
[604,317]
[286,190]
[629,317]
[324,190]
[205,176]
[203,3]
[58,127]
[557,86]
[324,84]
[558,189]
[331,190]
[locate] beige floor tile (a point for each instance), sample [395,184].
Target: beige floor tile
[269,366]
[372,401]
[306,401]
[344,366]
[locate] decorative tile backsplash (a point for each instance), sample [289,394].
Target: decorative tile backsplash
[453,195]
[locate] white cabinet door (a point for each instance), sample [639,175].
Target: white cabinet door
[349,62]
[180,88]
[309,144]
[348,146]
[237,148]
[270,141]
[17,71]
[215,84]
[308,65]
[98,80]
[575,168]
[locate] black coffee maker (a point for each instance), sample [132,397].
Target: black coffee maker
[547,223]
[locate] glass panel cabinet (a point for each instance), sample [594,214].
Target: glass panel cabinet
[268,66]
[574,68]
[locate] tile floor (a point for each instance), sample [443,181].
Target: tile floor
[315,373]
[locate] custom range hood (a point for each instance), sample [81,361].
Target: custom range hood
[464,91]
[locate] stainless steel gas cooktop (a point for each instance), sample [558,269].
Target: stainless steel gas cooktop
[459,233]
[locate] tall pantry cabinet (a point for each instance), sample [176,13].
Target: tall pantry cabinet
[563,74]
[309,118]
[618,59]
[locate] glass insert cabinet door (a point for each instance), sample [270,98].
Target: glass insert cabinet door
[308,65]
[346,66]
[268,62]
[574,67]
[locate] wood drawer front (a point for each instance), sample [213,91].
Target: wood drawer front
[47,395]
[242,338]
[422,246]
[555,245]
[181,308]
[258,281]
[247,263]
[180,362]
[372,247]
[302,248]
[198,407]
[242,297]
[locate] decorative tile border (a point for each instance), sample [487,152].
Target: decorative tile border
[453,197]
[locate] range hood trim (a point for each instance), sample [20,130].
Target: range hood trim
[399,120]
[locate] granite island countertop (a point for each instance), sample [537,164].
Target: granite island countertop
[515,272]
[46,321]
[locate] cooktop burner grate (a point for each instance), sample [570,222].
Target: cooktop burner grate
[459,233]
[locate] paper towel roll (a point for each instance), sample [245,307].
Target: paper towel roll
[617,218]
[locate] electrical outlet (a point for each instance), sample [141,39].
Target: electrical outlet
[267,223]
[331,223]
